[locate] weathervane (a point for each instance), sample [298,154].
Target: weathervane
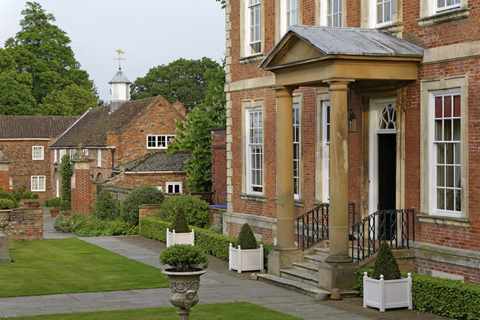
[120,57]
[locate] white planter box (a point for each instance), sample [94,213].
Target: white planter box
[387,294]
[245,260]
[174,238]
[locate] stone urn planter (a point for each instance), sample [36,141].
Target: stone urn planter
[174,238]
[184,290]
[387,294]
[185,264]
[245,259]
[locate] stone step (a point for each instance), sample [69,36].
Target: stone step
[310,266]
[315,258]
[310,290]
[301,275]
[320,250]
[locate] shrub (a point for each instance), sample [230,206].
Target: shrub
[106,208]
[90,226]
[385,264]
[8,196]
[209,241]
[7,204]
[184,258]
[136,198]
[449,298]
[246,238]
[66,171]
[195,209]
[180,223]
[53,203]
[24,194]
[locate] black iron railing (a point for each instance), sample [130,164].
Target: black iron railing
[396,227]
[312,227]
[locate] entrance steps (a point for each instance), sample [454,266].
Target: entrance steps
[304,276]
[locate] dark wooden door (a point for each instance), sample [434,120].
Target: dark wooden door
[387,168]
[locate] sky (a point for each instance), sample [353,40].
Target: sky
[151,32]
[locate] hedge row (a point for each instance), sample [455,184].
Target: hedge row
[210,242]
[444,297]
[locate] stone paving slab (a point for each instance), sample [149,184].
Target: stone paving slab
[218,285]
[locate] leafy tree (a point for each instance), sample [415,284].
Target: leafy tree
[66,171]
[41,54]
[183,80]
[194,134]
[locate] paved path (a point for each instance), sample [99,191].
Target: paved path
[49,231]
[218,285]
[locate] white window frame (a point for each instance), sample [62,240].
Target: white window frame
[174,184]
[38,153]
[250,186]
[432,188]
[253,33]
[99,158]
[36,185]
[374,23]
[61,154]
[325,145]
[288,9]
[454,5]
[158,138]
[297,143]
[327,12]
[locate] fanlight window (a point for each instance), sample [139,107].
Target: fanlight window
[388,118]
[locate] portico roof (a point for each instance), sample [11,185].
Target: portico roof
[353,48]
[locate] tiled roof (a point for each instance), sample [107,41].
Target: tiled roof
[91,130]
[158,161]
[24,127]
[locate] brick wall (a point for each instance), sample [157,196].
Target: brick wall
[83,191]
[133,180]
[25,224]
[22,167]
[219,167]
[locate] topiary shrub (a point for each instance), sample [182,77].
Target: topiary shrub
[180,223]
[184,258]
[194,208]
[66,171]
[7,204]
[136,198]
[246,238]
[385,264]
[106,208]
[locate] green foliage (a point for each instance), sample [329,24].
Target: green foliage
[91,226]
[106,208]
[184,258]
[180,222]
[246,238]
[8,196]
[53,203]
[181,80]
[136,198]
[448,298]
[194,208]
[39,72]
[386,264]
[7,204]
[66,171]
[24,194]
[210,242]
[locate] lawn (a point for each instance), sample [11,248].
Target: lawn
[237,311]
[70,266]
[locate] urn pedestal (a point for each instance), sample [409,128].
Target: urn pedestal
[184,290]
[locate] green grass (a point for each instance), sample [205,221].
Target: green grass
[71,266]
[237,311]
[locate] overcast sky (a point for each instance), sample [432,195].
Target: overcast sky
[151,32]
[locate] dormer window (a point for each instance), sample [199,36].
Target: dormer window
[159,141]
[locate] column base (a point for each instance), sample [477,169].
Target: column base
[283,258]
[340,258]
[337,275]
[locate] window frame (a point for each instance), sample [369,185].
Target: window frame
[432,150]
[325,146]
[446,7]
[99,158]
[249,186]
[168,138]
[38,178]
[174,184]
[289,11]
[247,27]
[297,179]
[42,153]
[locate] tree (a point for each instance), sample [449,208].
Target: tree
[183,80]
[66,171]
[42,51]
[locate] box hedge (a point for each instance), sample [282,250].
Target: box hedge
[448,298]
[209,241]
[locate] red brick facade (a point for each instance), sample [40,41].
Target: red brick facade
[83,190]
[219,166]
[157,179]
[443,64]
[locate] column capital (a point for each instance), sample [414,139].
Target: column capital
[338,84]
[283,91]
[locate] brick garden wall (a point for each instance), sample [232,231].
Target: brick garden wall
[25,224]
[219,167]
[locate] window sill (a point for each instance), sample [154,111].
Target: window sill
[443,220]
[444,16]
[252,58]
[252,197]
[394,27]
